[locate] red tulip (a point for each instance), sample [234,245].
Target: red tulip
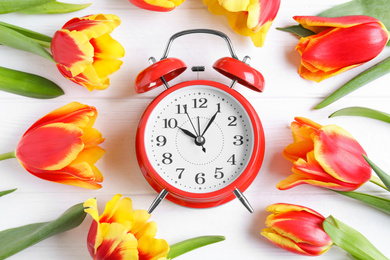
[85,52]
[63,147]
[157,5]
[326,156]
[248,18]
[340,44]
[296,229]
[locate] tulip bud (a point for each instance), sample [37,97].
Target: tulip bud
[296,229]
[339,44]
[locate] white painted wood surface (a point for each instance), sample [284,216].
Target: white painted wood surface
[144,34]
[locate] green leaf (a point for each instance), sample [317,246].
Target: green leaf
[385,178]
[17,40]
[15,240]
[297,29]
[8,6]
[54,8]
[42,39]
[378,9]
[191,244]
[364,112]
[29,85]
[2,193]
[351,240]
[374,72]
[374,201]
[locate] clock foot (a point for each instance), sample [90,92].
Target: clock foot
[243,200]
[160,197]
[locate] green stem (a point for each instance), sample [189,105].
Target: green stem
[378,182]
[7,155]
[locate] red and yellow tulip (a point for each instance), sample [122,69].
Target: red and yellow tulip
[121,233]
[63,147]
[251,18]
[85,52]
[339,44]
[326,156]
[296,229]
[157,5]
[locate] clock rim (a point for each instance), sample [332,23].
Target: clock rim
[208,199]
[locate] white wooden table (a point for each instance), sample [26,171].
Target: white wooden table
[144,34]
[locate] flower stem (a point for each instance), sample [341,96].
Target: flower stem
[378,182]
[7,155]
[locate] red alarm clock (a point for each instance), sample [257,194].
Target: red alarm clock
[199,143]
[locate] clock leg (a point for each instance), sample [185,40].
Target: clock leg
[243,200]
[160,197]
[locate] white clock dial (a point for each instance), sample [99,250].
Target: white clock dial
[199,139]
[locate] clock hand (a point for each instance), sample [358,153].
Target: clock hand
[193,127]
[199,140]
[187,132]
[210,122]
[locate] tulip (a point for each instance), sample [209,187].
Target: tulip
[157,5]
[85,52]
[339,44]
[251,18]
[296,229]
[326,156]
[63,147]
[121,233]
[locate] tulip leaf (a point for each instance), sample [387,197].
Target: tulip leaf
[5,192]
[14,240]
[29,85]
[297,29]
[385,178]
[17,40]
[351,240]
[372,73]
[363,111]
[42,39]
[374,201]
[54,8]
[191,244]
[9,6]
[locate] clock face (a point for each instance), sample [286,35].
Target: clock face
[199,139]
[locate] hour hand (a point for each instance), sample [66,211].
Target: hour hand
[187,132]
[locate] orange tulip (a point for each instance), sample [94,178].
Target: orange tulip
[339,44]
[296,229]
[326,156]
[251,18]
[121,233]
[86,53]
[63,147]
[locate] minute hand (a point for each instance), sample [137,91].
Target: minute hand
[210,122]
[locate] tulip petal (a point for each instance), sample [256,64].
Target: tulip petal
[298,150]
[117,244]
[214,7]
[72,113]
[234,5]
[318,24]
[95,236]
[150,248]
[50,147]
[282,242]
[332,147]
[118,210]
[141,217]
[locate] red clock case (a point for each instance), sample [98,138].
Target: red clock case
[210,199]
